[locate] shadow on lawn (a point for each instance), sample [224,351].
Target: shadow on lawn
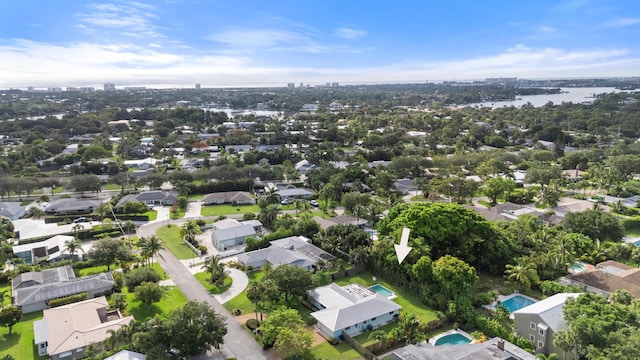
[142,311]
[9,341]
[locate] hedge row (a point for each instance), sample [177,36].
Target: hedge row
[67,299]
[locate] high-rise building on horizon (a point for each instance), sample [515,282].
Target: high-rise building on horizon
[109,87]
[291,85]
[198,87]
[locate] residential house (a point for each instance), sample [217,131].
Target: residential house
[238,149]
[142,164]
[230,233]
[32,291]
[310,107]
[52,249]
[607,277]
[228,197]
[340,220]
[12,210]
[294,250]
[539,322]
[72,207]
[294,193]
[494,348]
[405,186]
[66,331]
[268,148]
[351,309]
[335,106]
[303,166]
[154,197]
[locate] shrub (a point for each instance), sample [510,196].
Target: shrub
[136,277]
[202,248]
[252,324]
[67,300]
[201,222]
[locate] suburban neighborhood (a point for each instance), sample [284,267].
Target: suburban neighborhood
[277,231]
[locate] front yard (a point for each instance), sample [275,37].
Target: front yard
[170,236]
[218,210]
[205,280]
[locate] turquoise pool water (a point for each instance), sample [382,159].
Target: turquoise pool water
[578,267]
[453,339]
[382,290]
[517,302]
[637,243]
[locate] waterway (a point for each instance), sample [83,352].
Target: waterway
[579,95]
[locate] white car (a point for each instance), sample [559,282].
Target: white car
[314,203]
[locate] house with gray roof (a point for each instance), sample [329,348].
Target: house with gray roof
[294,193]
[127,355]
[293,250]
[32,291]
[540,321]
[492,349]
[154,197]
[228,197]
[72,207]
[12,210]
[351,309]
[230,233]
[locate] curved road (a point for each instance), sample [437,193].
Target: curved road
[238,342]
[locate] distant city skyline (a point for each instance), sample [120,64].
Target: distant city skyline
[180,43]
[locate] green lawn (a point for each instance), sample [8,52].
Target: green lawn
[195,197]
[409,302]
[111,187]
[95,270]
[205,278]
[178,214]
[342,351]
[152,214]
[217,210]
[241,302]
[172,298]
[20,343]
[170,236]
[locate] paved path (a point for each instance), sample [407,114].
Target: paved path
[193,209]
[240,282]
[238,342]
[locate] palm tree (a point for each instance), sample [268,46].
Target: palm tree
[566,340]
[269,214]
[552,356]
[379,336]
[523,273]
[214,267]
[72,246]
[152,246]
[255,294]
[189,230]
[410,326]
[562,253]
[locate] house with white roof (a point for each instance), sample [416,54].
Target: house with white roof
[294,193]
[494,349]
[351,309]
[293,250]
[230,233]
[52,249]
[539,322]
[66,331]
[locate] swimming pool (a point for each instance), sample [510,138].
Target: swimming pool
[578,267]
[382,291]
[516,302]
[452,339]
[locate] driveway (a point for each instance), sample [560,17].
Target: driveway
[238,342]
[163,213]
[193,209]
[240,282]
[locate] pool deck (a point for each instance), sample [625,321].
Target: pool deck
[503,298]
[435,338]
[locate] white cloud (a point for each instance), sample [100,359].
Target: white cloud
[28,63]
[134,17]
[622,22]
[348,33]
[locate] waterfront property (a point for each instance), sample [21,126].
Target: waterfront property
[351,309]
[540,322]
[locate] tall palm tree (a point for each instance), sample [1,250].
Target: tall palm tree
[567,341]
[552,356]
[152,246]
[562,253]
[255,294]
[269,214]
[72,246]
[522,273]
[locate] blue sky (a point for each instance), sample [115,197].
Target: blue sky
[162,43]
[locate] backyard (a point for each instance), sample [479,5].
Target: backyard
[19,343]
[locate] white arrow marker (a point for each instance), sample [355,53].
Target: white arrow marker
[403,249]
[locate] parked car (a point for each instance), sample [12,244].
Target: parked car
[314,203]
[286,201]
[80,220]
